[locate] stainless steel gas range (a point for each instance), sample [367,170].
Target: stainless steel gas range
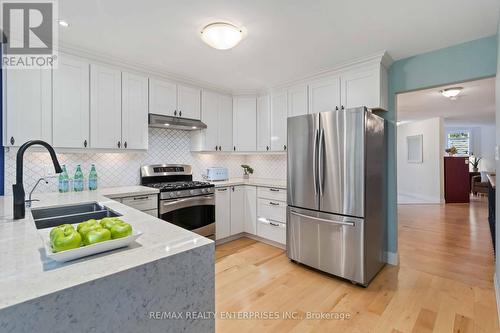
[182,201]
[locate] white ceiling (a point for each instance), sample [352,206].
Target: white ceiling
[475,105]
[286,39]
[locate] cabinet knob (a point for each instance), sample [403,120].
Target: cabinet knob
[119,144]
[216,148]
[336,108]
[342,107]
[125,144]
[180,113]
[234,148]
[175,113]
[12,141]
[284,147]
[85,143]
[267,147]
[220,148]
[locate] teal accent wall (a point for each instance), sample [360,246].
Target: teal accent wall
[463,62]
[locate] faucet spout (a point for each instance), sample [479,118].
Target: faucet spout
[18,187]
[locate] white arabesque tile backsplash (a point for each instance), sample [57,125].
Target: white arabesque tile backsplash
[122,169]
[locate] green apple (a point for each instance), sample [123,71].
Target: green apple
[108,222]
[120,229]
[86,224]
[66,239]
[96,235]
[59,229]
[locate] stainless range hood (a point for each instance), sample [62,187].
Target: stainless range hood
[161,121]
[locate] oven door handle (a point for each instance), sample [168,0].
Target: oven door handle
[173,204]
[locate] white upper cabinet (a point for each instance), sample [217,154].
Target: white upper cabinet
[244,124]
[28,106]
[297,100]
[211,103]
[71,103]
[162,97]
[363,88]
[226,124]
[278,121]
[324,94]
[105,107]
[134,111]
[263,123]
[217,114]
[188,102]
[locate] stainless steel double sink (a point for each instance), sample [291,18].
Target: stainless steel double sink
[53,216]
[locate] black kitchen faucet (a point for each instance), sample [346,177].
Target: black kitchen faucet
[18,188]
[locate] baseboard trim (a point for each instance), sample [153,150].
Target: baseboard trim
[497,294]
[391,258]
[251,236]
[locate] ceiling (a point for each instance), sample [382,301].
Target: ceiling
[286,39]
[475,105]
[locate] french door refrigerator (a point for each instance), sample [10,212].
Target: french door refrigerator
[336,192]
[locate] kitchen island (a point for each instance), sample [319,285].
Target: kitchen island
[158,284]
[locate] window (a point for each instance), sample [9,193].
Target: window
[461,141]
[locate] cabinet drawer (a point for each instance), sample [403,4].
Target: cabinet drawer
[271,193]
[271,230]
[272,210]
[142,202]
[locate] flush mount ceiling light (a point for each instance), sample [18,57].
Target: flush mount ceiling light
[221,35]
[451,93]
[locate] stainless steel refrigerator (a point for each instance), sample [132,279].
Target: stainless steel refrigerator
[336,192]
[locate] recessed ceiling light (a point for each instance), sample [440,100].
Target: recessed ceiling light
[166,124]
[451,93]
[63,23]
[194,127]
[221,35]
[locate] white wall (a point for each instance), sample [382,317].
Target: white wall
[421,182]
[482,141]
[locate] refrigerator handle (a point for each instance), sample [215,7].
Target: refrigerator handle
[315,164]
[320,161]
[347,223]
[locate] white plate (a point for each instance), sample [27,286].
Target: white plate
[86,250]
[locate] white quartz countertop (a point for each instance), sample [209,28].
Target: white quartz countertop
[26,273]
[264,182]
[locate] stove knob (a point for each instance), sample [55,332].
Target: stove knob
[203,190]
[179,193]
[172,194]
[191,192]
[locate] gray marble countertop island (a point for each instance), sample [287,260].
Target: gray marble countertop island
[168,269]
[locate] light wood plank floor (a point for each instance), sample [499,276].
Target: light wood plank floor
[444,282]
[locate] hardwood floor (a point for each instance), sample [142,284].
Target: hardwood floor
[444,282]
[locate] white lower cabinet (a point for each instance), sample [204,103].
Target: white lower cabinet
[250,209]
[222,213]
[147,203]
[237,209]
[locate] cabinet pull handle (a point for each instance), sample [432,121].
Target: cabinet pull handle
[220,148]
[125,144]
[175,112]
[141,198]
[216,148]
[234,148]
[267,147]
[273,203]
[12,141]
[119,144]
[180,113]
[284,147]
[222,189]
[85,143]
[274,224]
[274,190]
